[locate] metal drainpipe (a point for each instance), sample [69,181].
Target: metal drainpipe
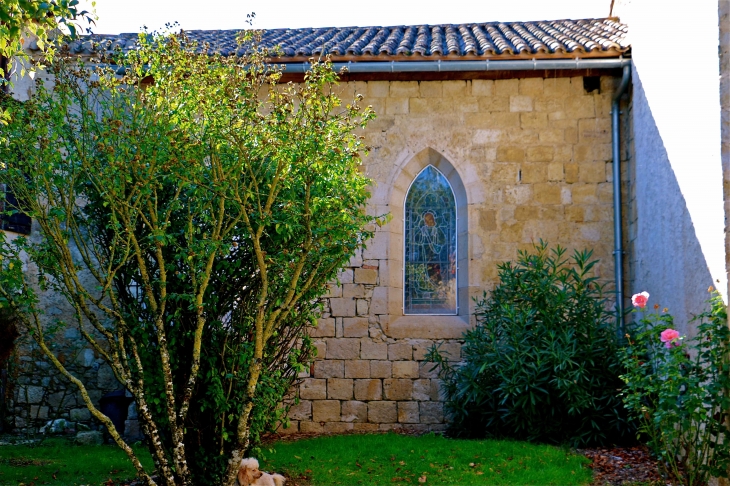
[618,252]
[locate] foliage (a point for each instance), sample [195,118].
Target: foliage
[59,461]
[36,18]
[191,222]
[402,459]
[678,392]
[542,362]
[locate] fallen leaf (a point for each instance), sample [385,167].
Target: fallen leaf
[471,464]
[422,479]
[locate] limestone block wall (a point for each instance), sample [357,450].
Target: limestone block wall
[527,159]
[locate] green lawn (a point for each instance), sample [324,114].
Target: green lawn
[346,460]
[57,461]
[429,459]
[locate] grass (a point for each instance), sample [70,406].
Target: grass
[56,461]
[429,459]
[345,460]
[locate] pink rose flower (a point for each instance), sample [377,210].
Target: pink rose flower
[640,300]
[669,337]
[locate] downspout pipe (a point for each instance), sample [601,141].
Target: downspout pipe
[618,252]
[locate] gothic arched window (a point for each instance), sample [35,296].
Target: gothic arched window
[430,246]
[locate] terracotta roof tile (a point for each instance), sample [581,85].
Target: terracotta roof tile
[538,39]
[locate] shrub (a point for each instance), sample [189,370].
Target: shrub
[678,391]
[192,223]
[542,363]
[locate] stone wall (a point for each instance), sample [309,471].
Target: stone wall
[724,20]
[679,247]
[527,158]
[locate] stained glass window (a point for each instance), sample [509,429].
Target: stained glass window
[430,245]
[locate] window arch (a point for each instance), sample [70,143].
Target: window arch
[430,246]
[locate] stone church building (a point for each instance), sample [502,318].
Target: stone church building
[488,138]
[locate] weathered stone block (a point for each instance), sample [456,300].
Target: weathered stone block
[346,276]
[365,427]
[311,427]
[90,438]
[371,350]
[482,87]
[398,389]
[408,412]
[400,351]
[366,276]
[430,89]
[420,349]
[520,103]
[368,390]
[547,193]
[337,427]
[592,172]
[534,121]
[320,347]
[454,89]
[362,307]
[301,411]
[355,326]
[339,388]
[399,89]
[327,368]
[531,86]
[325,328]
[354,411]
[342,307]
[540,153]
[37,411]
[431,412]
[379,301]
[510,154]
[350,291]
[437,390]
[30,394]
[326,411]
[80,414]
[382,412]
[405,369]
[357,368]
[506,87]
[427,370]
[378,89]
[451,350]
[396,106]
[381,369]
[343,348]
[313,389]
[422,389]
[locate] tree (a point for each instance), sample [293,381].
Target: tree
[36,18]
[191,223]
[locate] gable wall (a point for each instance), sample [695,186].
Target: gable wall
[529,159]
[534,157]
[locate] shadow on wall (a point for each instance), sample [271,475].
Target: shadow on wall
[668,259]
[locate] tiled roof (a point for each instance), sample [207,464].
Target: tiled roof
[554,39]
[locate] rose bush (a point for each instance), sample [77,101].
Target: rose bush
[677,390]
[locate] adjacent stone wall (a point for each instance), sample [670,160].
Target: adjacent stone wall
[724,20]
[527,158]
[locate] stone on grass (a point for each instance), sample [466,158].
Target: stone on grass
[90,438]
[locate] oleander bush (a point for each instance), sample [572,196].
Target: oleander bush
[542,363]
